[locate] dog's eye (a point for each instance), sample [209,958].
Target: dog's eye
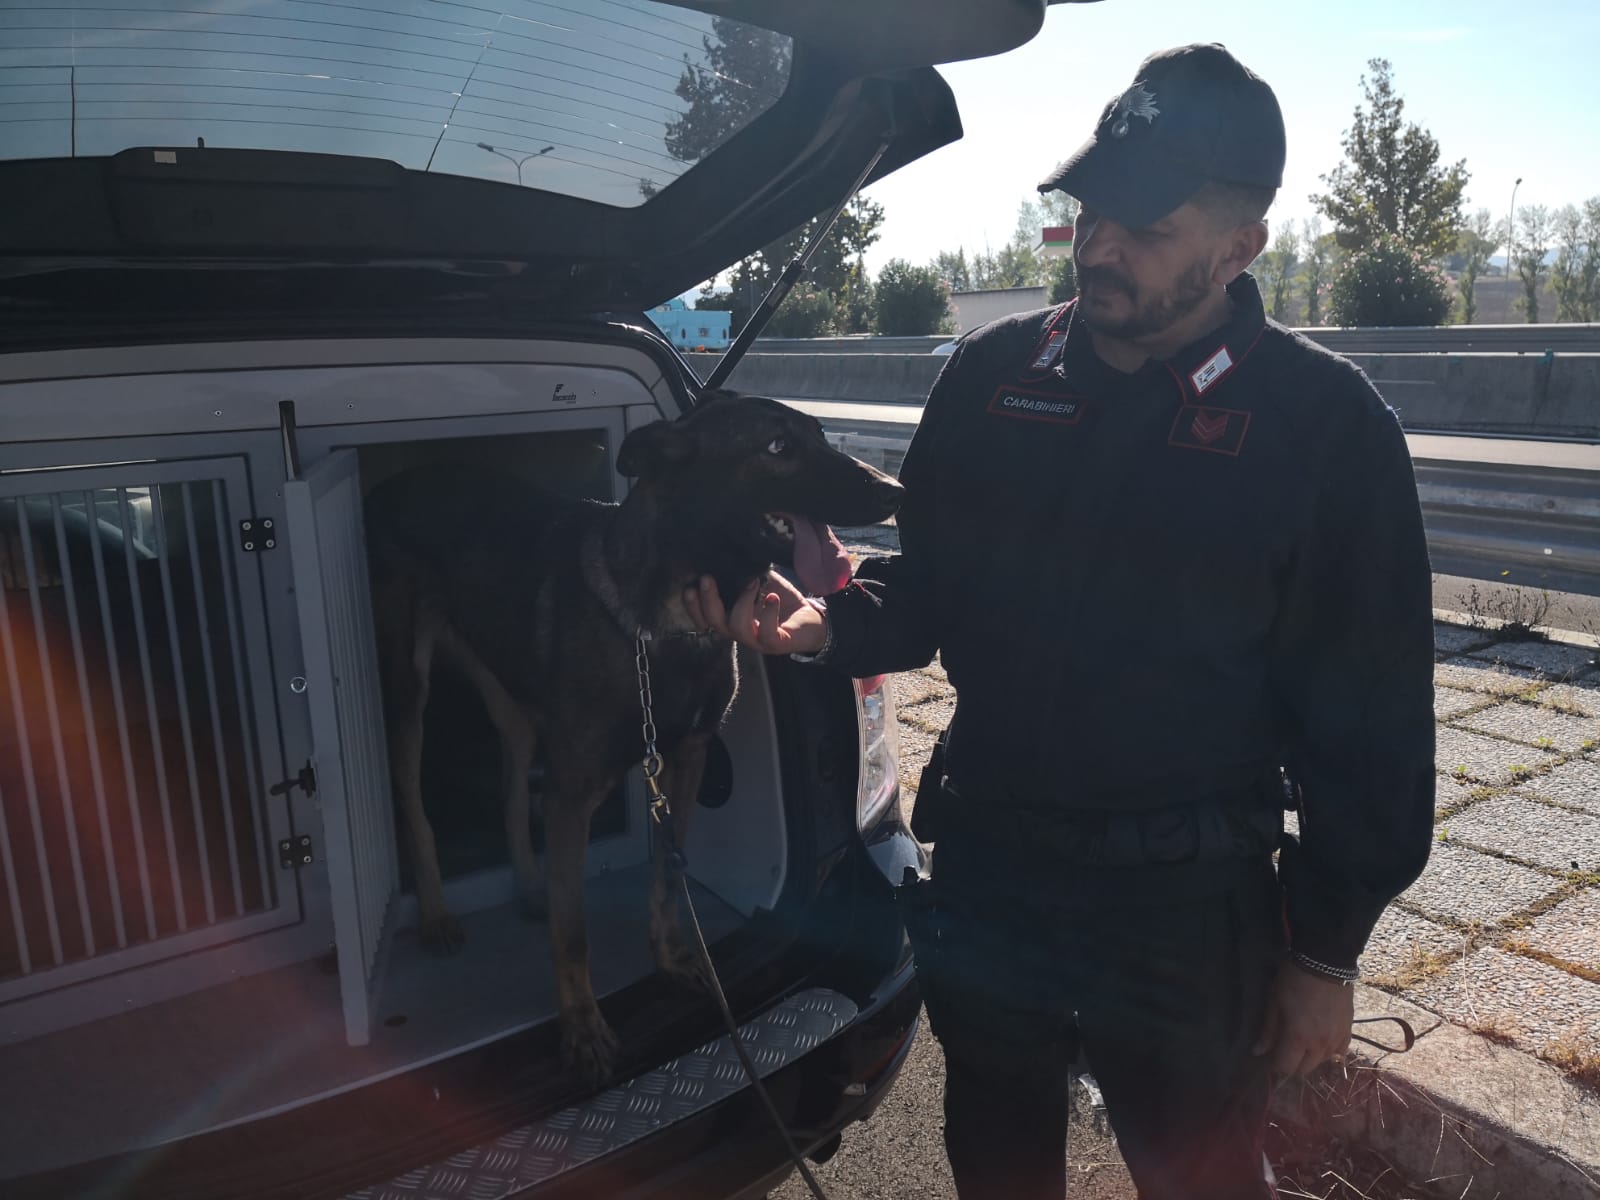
[778,445]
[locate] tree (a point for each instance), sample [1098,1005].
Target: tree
[910,300]
[1391,180]
[1275,271]
[1063,280]
[953,269]
[728,89]
[1590,275]
[1321,251]
[1477,240]
[1388,283]
[1574,273]
[1529,250]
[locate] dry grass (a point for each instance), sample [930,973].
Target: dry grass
[1581,1062]
[1419,965]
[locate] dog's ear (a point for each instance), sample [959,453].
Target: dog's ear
[654,447]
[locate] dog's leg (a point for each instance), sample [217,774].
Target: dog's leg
[517,745]
[411,673]
[681,783]
[587,1043]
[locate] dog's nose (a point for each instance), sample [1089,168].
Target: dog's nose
[888,490]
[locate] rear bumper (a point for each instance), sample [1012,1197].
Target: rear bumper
[730,1150]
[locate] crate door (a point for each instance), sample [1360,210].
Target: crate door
[137,732]
[328,553]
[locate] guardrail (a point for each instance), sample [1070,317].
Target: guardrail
[1503,510]
[1569,338]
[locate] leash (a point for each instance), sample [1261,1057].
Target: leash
[660,809]
[1408,1034]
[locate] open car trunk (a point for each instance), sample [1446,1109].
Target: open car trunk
[189,943]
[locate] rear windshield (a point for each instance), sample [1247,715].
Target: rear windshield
[604,100]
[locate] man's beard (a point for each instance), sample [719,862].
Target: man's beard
[1149,317]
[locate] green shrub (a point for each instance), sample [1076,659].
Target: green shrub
[1388,283]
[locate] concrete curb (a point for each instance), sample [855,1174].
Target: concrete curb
[1475,1119]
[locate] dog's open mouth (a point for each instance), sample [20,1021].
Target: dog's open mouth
[821,565]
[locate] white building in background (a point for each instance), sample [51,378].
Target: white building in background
[973,309]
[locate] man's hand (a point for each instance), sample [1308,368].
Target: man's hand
[1307,1023]
[770,616]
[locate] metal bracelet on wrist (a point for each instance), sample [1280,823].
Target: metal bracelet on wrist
[827,636]
[1344,975]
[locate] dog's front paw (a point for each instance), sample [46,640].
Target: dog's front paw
[588,1046]
[441,935]
[682,964]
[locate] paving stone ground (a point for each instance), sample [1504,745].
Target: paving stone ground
[1570,931]
[1550,660]
[1532,725]
[1541,834]
[1522,720]
[1575,782]
[1404,945]
[1449,702]
[1532,1004]
[1489,760]
[1464,886]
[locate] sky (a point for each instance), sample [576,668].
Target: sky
[1512,88]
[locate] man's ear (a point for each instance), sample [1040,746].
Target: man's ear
[1245,245]
[654,447]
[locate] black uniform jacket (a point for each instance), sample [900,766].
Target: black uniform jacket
[1152,586]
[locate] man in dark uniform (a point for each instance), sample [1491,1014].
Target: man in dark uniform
[1172,557]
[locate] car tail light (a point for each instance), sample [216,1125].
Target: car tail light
[879,779]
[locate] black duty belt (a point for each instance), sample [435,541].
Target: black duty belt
[1212,826]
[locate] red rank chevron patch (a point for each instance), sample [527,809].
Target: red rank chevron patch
[1219,430]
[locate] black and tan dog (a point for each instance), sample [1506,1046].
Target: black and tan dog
[538,602]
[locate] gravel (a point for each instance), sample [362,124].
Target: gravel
[913,687]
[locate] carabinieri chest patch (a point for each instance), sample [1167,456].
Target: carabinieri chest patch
[1024,404]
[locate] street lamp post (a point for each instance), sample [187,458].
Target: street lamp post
[1511,225]
[513,159]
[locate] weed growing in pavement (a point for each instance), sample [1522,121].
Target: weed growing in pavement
[1580,1061]
[1514,614]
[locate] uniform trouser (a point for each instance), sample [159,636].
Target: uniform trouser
[1163,998]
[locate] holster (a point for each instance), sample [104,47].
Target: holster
[931,798]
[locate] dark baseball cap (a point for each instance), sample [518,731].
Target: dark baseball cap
[1193,114]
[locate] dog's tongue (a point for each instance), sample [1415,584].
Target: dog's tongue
[820,562]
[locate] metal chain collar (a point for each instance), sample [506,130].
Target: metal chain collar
[654,764]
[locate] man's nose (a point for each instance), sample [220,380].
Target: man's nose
[1094,246]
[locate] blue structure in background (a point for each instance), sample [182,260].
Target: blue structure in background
[693,328]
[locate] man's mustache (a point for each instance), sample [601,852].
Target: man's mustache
[1104,278]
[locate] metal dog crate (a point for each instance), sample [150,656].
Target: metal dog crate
[188,936]
[135,827]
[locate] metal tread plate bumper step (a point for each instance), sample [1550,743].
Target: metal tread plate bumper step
[603,1124]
